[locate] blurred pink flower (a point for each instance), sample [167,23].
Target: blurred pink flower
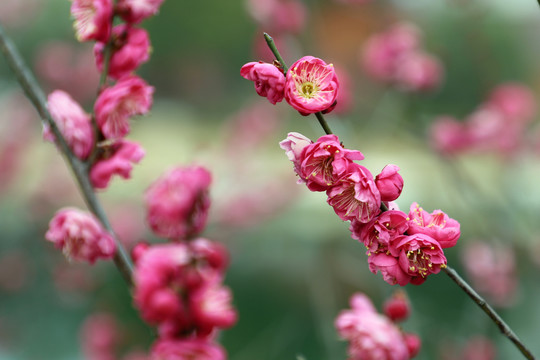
[269,80]
[371,336]
[398,306]
[311,86]
[177,203]
[93,19]
[324,162]
[17,13]
[490,130]
[389,183]
[63,65]
[99,336]
[354,196]
[80,236]
[516,101]
[414,343]
[187,349]
[449,136]
[418,71]
[479,348]
[117,104]
[132,48]
[437,225]
[135,11]
[382,52]
[278,16]
[117,159]
[74,124]
[492,270]
[345,96]
[419,256]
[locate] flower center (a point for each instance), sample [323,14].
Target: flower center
[419,262]
[308,89]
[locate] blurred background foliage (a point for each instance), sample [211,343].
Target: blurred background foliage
[293,263]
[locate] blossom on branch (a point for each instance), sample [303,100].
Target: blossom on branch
[80,236]
[92,19]
[269,80]
[135,11]
[437,225]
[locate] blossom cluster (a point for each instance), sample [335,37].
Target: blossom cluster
[498,124]
[178,286]
[395,56]
[100,137]
[405,248]
[310,85]
[374,336]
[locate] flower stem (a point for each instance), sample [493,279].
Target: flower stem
[503,327]
[79,168]
[323,123]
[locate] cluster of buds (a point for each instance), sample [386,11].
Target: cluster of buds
[98,139]
[406,248]
[499,124]
[309,86]
[374,336]
[179,285]
[395,57]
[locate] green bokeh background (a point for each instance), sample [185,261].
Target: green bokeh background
[294,266]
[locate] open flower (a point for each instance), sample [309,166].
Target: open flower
[92,19]
[134,11]
[438,225]
[117,104]
[80,236]
[379,232]
[269,80]
[311,86]
[355,196]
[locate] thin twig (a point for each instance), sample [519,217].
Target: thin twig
[505,329]
[78,167]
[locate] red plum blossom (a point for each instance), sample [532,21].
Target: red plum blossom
[80,236]
[379,232]
[312,86]
[117,159]
[74,124]
[117,104]
[438,225]
[177,203]
[397,307]
[389,267]
[389,183]
[92,19]
[269,80]
[132,48]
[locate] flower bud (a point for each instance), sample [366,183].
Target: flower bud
[398,307]
[389,183]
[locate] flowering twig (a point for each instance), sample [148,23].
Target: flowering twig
[79,168]
[273,48]
[505,329]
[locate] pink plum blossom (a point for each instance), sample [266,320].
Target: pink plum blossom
[371,336]
[389,183]
[74,124]
[294,146]
[389,267]
[492,271]
[324,162]
[132,48]
[397,307]
[438,225]
[278,16]
[514,100]
[379,232]
[419,255]
[134,11]
[449,136]
[93,19]
[117,104]
[80,236]
[414,343]
[479,347]
[187,349]
[177,203]
[269,80]
[419,71]
[382,52]
[354,196]
[99,336]
[117,159]
[311,86]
